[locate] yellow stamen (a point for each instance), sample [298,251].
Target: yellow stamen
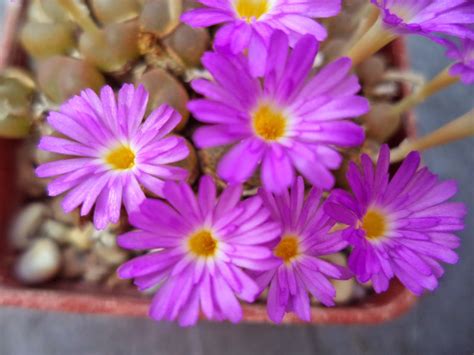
[375,225]
[287,249]
[202,243]
[249,9]
[121,158]
[268,123]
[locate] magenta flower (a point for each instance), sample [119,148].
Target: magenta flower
[428,17]
[463,53]
[304,238]
[111,152]
[399,228]
[282,121]
[200,246]
[250,23]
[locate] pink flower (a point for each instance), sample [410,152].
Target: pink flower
[284,120]
[429,18]
[304,238]
[111,152]
[199,250]
[250,23]
[401,227]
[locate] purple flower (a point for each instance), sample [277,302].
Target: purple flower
[463,53]
[111,152]
[200,247]
[304,238]
[282,121]
[250,23]
[399,228]
[428,17]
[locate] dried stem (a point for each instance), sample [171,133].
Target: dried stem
[371,42]
[438,83]
[458,129]
[80,14]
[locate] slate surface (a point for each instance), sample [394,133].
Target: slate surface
[442,323]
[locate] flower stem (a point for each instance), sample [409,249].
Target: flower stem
[370,43]
[373,16]
[367,18]
[80,14]
[438,83]
[458,129]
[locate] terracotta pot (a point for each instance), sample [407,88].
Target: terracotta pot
[72,297]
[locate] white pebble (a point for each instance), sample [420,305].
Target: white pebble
[26,224]
[40,263]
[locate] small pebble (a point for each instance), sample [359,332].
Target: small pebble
[39,264]
[74,263]
[96,270]
[55,230]
[110,256]
[72,218]
[359,292]
[81,237]
[26,224]
[105,237]
[344,288]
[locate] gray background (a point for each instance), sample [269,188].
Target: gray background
[442,323]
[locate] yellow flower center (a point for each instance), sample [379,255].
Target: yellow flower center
[202,243]
[374,224]
[268,123]
[287,249]
[121,158]
[249,9]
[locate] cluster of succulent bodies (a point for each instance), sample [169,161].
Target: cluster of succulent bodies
[208,250]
